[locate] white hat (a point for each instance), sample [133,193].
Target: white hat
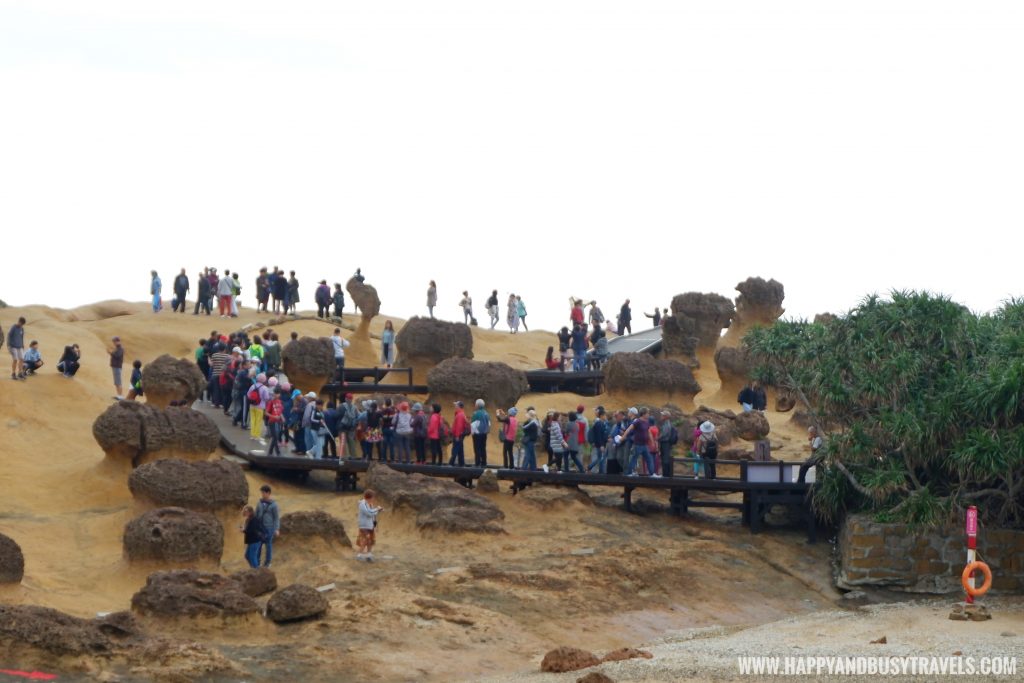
[237,349]
[311,394]
[633,411]
[707,427]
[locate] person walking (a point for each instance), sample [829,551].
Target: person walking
[318,431]
[236,294]
[338,300]
[348,414]
[225,293]
[460,430]
[322,297]
[340,344]
[492,308]
[135,381]
[387,344]
[467,308]
[435,429]
[557,442]
[181,288]
[638,430]
[252,534]
[258,396]
[596,316]
[625,319]
[431,297]
[116,362]
[16,347]
[512,314]
[203,298]
[262,290]
[275,421]
[403,433]
[521,312]
[292,302]
[419,433]
[480,427]
[155,287]
[575,437]
[576,312]
[269,516]
[598,438]
[668,436]
[367,526]
[578,341]
[707,448]
[279,291]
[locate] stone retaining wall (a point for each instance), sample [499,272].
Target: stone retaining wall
[922,560]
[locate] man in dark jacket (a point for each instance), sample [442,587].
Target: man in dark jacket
[180,290]
[203,300]
[625,318]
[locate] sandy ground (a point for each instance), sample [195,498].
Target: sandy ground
[436,607]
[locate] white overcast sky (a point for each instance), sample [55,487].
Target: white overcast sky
[600,149]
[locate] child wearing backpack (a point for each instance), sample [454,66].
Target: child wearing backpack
[135,383]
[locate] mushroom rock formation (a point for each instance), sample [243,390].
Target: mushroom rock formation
[256,581]
[824,318]
[427,340]
[12,562]
[207,485]
[304,525]
[733,370]
[365,298]
[751,426]
[696,323]
[140,433]
[187,593]
[759,303]
[563,659]
[640,372]
[169,379]
[309,363]
[438,503]
[467,380]
[296,603]
[174,535]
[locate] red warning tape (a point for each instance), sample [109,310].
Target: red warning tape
[30,675]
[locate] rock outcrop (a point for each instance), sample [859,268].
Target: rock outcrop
[487,483]
[365,298]
[733,369]
[642,372]
[428,340]
[304,525]
[256,582]
[207,485]
[438,504]
[759,303]
[309,362]
[169,379]
[59,634]
[784,402]
[467,380]
[563,659]
[174,535]
[296,603]
[140,433]
[12,562]
[547,497]
[824,318]
[189,593]
[696,322]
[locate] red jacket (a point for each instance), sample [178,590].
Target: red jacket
[461,426]
[275,410]
[434,426]
[576,314]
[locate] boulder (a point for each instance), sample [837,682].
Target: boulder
[784,402]
[547,497]
[759,302]
[467,380]
[304,525]
[256,582]
[428,340]
[564,659]
[365,298]
[733,369]
[295,603]
[190,593]
[696,322]
[58,634]
[174,534]
[140,433]
[309,362]
[487,483]
[624,653]
[12,562]
[207,485]
[169,379]
[595,677]
[643,372]
[439,504]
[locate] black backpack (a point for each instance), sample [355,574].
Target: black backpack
[711,448]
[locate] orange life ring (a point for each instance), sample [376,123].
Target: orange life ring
[966,576]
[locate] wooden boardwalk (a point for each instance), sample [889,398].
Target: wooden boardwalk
[757,496]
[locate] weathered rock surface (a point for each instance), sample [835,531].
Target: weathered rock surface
[365,298]
[190,593]
[174,534]
[438,503]
[169,379]
[697,321]
[304,524]
[309,362]
[12,562]
[784,402]
[625,653]
[733,369]
[751,426]
[467,380]
[205,485]
[59,634]
[547,497]
[256,582]
[140,433]
[759,302]
[824,318]
[295,603]
[487,483]
[564,659]
[595,677]
[642,372]
[432,341]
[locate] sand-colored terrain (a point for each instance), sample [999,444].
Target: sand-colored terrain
[436,607]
